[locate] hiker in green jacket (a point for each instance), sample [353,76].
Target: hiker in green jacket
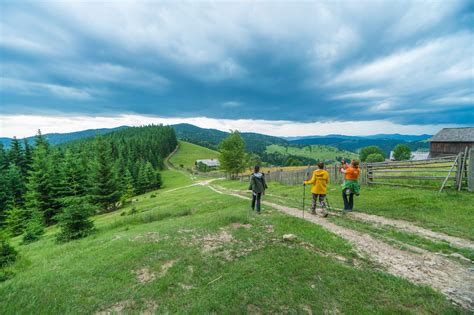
[257,186]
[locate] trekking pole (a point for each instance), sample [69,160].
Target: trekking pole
[304,195]
[304,188]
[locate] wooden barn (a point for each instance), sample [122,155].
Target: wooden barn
[451,141]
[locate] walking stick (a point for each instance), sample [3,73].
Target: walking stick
[304,195]
[304,188]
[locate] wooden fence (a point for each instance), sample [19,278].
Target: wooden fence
[455,172]
[440,173]
[297,177]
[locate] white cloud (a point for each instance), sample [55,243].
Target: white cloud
[231,104]
[367,94]
[27,125]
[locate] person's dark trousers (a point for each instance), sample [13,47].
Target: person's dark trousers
[348,200]
[256,201]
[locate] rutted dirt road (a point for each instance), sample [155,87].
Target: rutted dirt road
[421,267]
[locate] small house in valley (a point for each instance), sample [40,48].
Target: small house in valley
[451,141]
[206,165]
[415,155]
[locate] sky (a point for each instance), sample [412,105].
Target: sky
[276,67]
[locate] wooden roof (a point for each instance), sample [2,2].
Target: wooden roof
[454,135]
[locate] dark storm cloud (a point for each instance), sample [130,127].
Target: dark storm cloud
[409,62]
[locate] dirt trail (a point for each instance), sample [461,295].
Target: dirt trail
[410,227]
[423,267]
[400,225]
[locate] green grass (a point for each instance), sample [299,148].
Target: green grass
[317,152]
[254,271]
[188,153]
[450,212]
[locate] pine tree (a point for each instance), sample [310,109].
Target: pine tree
[34,228]
[3,157]
[39,195]
[16,154]
[74,220]
[16,185]
[73,176]
[28,157]
[128,189]
[16,219]
[105,190]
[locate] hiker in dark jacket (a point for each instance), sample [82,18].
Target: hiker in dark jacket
[257,186]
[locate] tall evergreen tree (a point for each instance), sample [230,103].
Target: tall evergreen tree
[40,196]
[105,187]
[28,157]
[16,185]
[127,187]
[74,176]
[3,157]
[16,154]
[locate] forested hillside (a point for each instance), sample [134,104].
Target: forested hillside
[58,138]
[210,138]
[38,182]
[328,154]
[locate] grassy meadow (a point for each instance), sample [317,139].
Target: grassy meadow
[191,250]
[317,152]
[189,153]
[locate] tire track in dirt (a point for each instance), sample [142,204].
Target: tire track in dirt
[425,268]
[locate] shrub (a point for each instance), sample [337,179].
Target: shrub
[7,253]
[366,151]
[401,152]
[74,221]
[5,275]
[132,211]
[375,157]
[15,221]
[33,232]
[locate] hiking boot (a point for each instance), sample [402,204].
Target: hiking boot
[313,211]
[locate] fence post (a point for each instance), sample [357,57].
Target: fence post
[470,176]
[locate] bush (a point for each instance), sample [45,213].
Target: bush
[366,151]
[132,211]
[74,221]
[15,221]
[33,232]
[401,152]
[374,157]
[7,253]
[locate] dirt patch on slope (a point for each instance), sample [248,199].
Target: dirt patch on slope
[145,275]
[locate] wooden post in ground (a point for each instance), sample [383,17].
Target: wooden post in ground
[461,172]
[449,174]
[470,167]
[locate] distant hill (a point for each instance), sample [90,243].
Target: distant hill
[210,138]
[354,144]
[328,154]
[382,136]
[59,138]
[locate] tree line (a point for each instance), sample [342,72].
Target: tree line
[41,184]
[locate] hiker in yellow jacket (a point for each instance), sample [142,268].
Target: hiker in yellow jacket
[319,180]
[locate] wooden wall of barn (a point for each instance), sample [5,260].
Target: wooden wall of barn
[448,148]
